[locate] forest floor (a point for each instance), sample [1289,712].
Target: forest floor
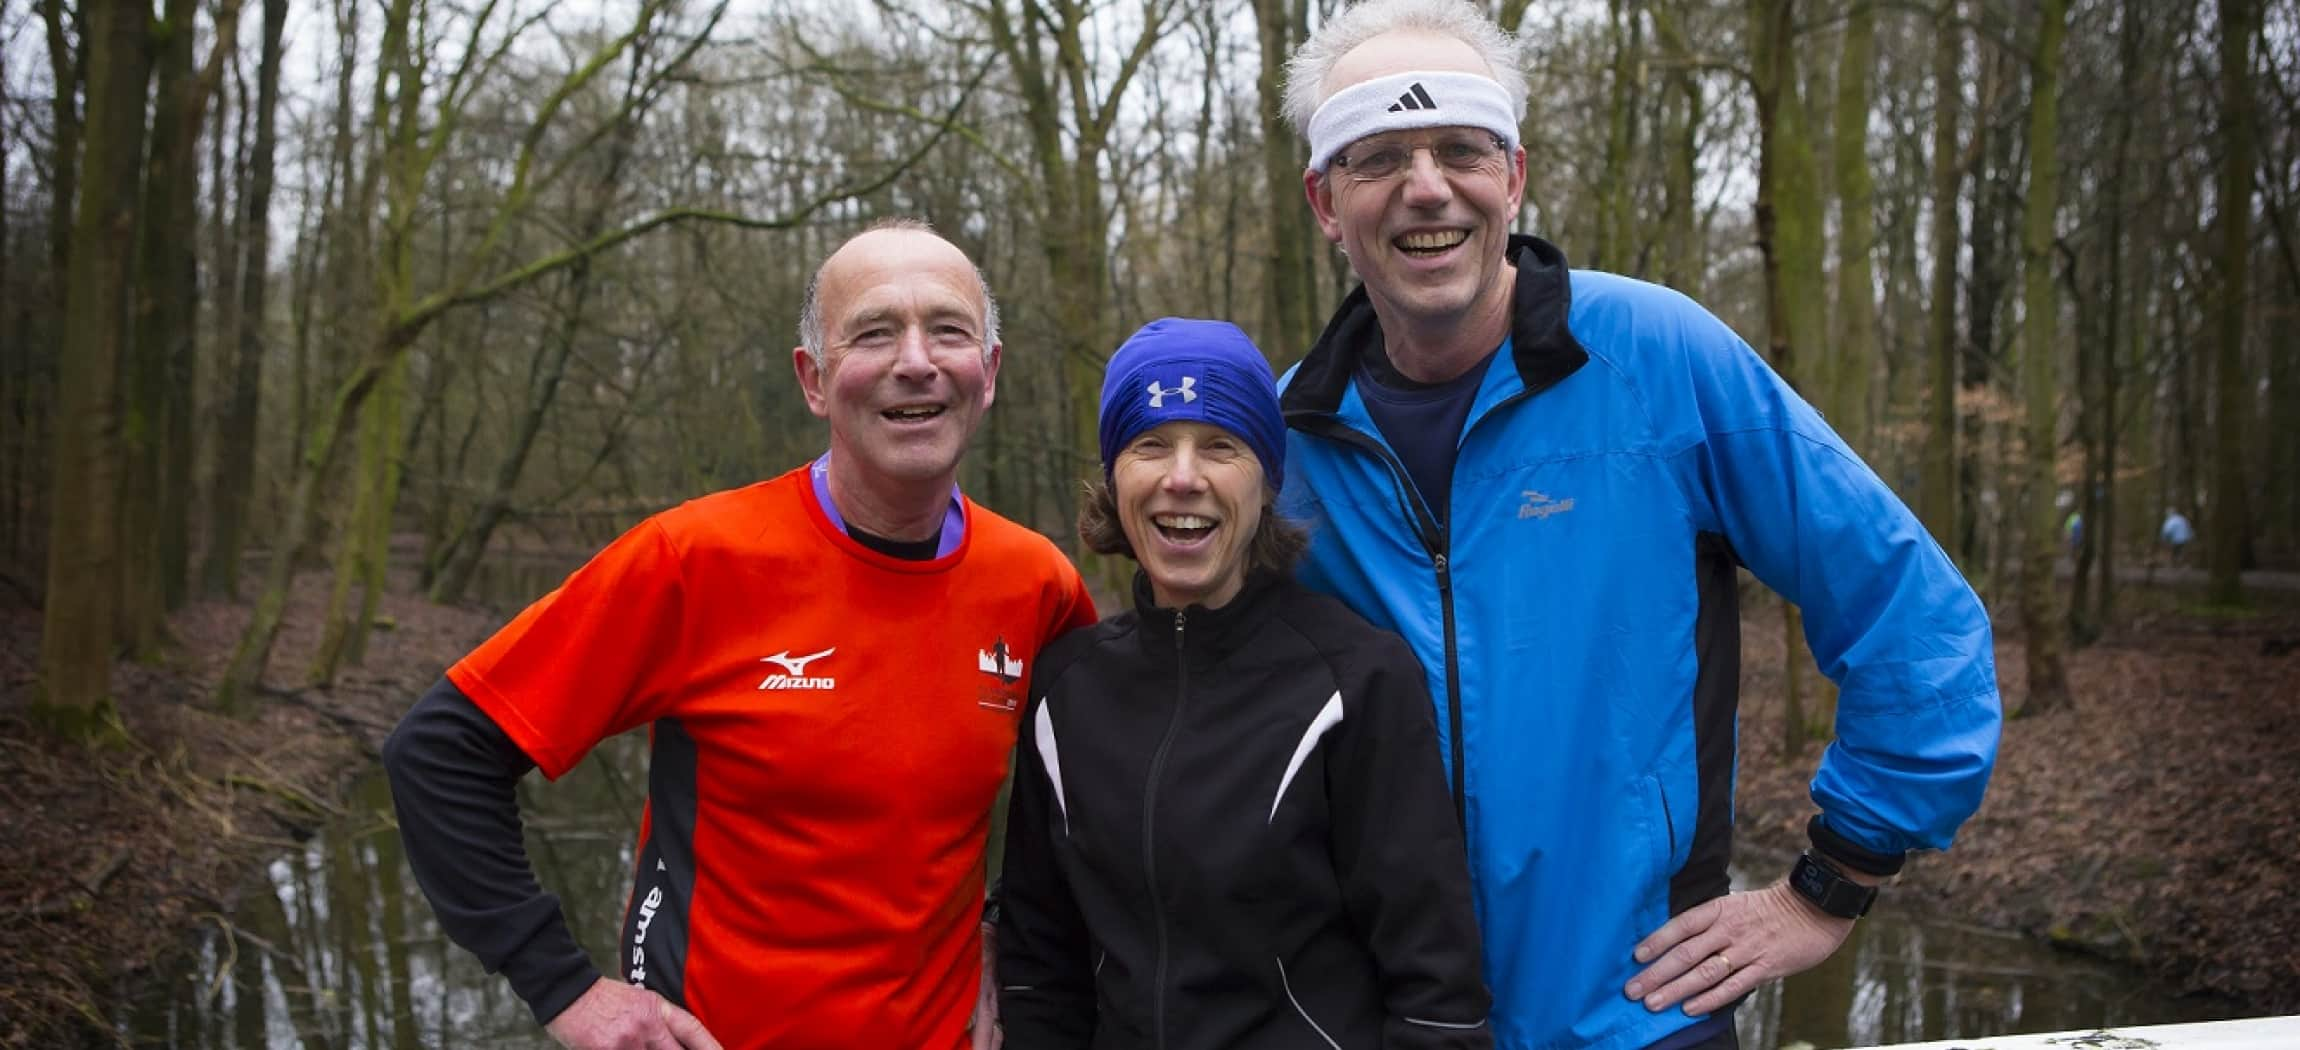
[2154,822]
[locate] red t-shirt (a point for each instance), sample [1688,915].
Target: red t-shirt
[829,727]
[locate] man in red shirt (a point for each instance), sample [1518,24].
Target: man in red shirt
[830,663]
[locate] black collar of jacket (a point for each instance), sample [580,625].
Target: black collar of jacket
[1212,633]
[1541,347]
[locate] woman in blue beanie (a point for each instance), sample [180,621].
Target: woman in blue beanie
[1230,826]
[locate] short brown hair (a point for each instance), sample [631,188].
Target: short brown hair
[1277,544]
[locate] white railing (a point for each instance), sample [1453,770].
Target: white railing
[2250,1033]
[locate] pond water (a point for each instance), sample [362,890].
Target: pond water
[336,949]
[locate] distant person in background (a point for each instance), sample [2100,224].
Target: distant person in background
[2072,530]
[1230,828]
[831,665]
[2176,534]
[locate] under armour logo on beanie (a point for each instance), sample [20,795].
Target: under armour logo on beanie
[1159,394]
[1405,101]
[1179,369]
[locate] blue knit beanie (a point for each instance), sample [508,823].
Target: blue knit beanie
[1176,368]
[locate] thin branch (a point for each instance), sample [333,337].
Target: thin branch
[431,307]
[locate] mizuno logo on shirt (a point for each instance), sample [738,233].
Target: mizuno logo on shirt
[1414,98]
[795,672]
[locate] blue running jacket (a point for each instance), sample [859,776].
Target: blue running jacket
[1577,621]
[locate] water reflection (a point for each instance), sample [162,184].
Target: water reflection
[1899,980]
[335,949]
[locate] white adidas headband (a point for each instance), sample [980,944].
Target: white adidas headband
[1403,101]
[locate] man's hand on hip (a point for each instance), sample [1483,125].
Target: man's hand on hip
[1718,951]
[615,1016]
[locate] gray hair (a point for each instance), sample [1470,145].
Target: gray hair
[1306,71]
[811,336]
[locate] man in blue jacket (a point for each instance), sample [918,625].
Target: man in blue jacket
[1544,478]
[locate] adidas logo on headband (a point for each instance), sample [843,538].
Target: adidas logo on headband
[1414,98]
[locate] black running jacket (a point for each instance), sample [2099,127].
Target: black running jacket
[1230,830]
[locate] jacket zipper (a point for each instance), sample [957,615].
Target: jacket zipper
[1149,811]
[1437,541]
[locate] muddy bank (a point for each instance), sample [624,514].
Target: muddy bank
[115,856]
[2154,823]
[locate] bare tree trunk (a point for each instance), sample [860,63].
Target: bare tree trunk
[1625,32]
[242,676]
[1993,195]
[78,629]
[1855,351]
[1292,322]
[2040,619]
[236,430]
[1789,238]
[1681,257]
[366,539]
[1937,500]
[2229,526]
[2282,513]
[67,69]
[163,313]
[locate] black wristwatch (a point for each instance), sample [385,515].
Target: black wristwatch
[1828,889]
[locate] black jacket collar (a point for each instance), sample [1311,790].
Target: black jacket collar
[1210,633]
[1542,349]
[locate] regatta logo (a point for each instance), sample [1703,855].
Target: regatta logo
[1540,505]
[1159,394]
[794,674]
[998,663]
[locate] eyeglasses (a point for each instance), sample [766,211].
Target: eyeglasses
[1382,158]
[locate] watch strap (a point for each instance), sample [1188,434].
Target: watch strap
[1829,889]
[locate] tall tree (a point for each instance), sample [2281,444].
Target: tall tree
[78,627]
[1625,34]
[2228,526]
[236,424]
[1936,501]
[1788,215]
[1854,347]
[2040,330]
[1290,286]
[155,501]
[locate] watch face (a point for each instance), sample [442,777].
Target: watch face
[1831,892]
[1808,878]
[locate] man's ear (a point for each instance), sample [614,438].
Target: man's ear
[1321,195]
[990,373]
[811,379]
[1517,178]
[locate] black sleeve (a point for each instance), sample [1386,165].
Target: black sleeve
[1045,980]
[454,782]
[1399,853]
